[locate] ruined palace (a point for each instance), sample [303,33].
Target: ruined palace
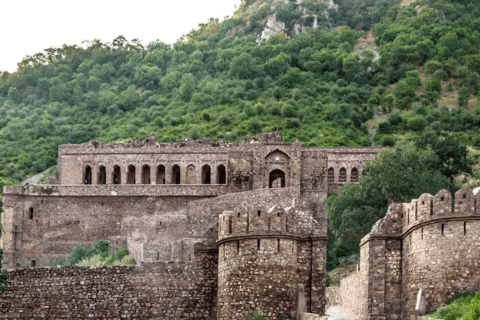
[218,229]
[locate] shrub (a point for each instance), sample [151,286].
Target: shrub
[257,316]
[463,96]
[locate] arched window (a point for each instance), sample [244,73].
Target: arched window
[161,174]
[87,176]
[30,213]
[206,174]
[175,174]
[331,175]
[221,174]
[102,175]
[343,175]
[277,179]
[131,174]
[354,175]
[146,174]
[117,175]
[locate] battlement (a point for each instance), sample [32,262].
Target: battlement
[260,221]
[401,218]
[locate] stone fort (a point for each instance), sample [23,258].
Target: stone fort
[218,229]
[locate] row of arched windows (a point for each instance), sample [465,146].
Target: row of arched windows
[146,176]
[342,177]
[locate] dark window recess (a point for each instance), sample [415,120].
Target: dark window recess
[221,174]
[33,263]
[30,213]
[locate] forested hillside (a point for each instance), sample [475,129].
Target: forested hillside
[316,86]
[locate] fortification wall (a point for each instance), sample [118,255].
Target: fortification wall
[257,263]
[440,248]
[46,228]
[421,244]
[185,290]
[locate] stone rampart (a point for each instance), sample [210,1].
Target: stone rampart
[421,244]
[185,290]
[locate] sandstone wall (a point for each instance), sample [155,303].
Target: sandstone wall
[184,290]
[333,296]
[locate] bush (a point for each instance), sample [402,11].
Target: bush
[463,96]
[256,316]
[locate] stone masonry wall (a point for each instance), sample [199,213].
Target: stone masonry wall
[184,290]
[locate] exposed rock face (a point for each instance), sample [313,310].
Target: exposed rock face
[271,28]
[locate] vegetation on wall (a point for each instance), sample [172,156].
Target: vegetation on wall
[97,255]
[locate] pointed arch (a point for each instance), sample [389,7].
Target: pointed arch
[331,175]
[117,175]
[175,174]
[87,175]
[146,174]
[131,172]
[102,175]
[342,177]
[161,174]
[354,175]
[206,174]
[221,174]
[277,179]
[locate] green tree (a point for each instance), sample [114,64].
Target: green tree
[463,96]
[398,175]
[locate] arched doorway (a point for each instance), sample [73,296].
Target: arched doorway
[131,174]
[221,174]
[87,176]
[175,174]
[354,175]
[206,174]
[277,179]
[117,175]
[146,174]
[161,174]
[102,175]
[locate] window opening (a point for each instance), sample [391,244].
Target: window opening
[30,213]
[33,263]
[221,174]
[259,212]
[354,175]
[277,179]
[131,174]
[175,174]
[331,175]
[443,229]
[238,247]
[258,244]
[422,233]
[102,175]
[343,175]
[206,174]
[464,227]
[161,174]
[146,174]
[87,178]
[117,176]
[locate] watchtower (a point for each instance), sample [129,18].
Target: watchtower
[257,265]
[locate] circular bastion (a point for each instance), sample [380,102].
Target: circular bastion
[257,267]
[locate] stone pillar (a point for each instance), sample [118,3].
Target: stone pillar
[109,173]
[138,173]
[153,174]
[183,174]
[168,173]
[123,173]
[319,269]
[213,177]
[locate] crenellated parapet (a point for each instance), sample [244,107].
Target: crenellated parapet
[259,221]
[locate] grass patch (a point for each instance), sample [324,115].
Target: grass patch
[336,275]
[464,306]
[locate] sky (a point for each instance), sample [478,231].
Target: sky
[30,26]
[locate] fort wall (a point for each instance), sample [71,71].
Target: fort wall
[182,290]
[421,244]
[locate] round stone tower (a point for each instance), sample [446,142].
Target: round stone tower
[257,267]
